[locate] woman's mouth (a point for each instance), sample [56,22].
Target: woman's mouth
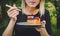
[32,2]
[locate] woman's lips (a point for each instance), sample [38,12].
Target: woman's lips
[32,2]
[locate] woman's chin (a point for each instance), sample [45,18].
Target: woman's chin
[32,6]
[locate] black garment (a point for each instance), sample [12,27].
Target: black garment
[22,31]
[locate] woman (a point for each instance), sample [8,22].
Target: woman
[28,7]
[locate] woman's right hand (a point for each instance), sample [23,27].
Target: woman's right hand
[13,12]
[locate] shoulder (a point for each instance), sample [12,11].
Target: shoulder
[46,15]
[46,11]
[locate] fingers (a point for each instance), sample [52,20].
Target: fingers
[14,5]
[37,29]
[43,22]
[12,8]
[14,15]
[13,12]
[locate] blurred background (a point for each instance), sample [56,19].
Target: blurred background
[53,6]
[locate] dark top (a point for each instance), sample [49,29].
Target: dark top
[24,31]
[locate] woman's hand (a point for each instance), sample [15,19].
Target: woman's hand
[42,29]
[42,26]
[13,12]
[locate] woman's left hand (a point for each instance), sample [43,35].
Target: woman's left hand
[42,29]
[42,26]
